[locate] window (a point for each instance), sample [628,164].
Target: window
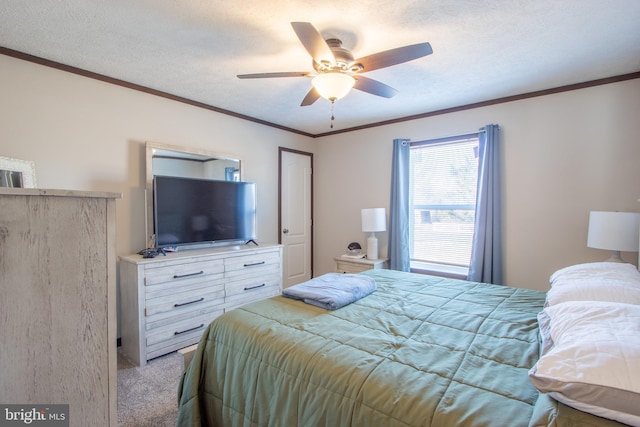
[443,186]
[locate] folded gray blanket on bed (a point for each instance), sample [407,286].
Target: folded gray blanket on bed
[332,290]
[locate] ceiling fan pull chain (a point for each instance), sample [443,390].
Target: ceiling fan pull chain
[333,102]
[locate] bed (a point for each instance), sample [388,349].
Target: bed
[418,351]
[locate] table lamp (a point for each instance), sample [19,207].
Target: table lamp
[373,220]
[614,231]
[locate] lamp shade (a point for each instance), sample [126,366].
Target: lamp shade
[333,86]
[614,231]
[374,219]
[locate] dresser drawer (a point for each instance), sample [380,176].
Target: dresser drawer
[177,330]
[177,335]
[214,308]
[184,285]
[348,267]
[173,272]
[249,289]
[252,265]
[249,285]
[357,265]
[238,300]
[182,301]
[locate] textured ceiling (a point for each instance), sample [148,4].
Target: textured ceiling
[483,49]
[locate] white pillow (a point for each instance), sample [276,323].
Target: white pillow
[594,364]
[544,326]
[598,289]
[595,270]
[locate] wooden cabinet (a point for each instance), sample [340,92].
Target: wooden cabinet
[167,301]
[58,313]
[356,265]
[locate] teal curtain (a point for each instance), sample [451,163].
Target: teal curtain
[398,249]
[486,251]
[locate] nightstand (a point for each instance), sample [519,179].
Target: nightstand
[346,264]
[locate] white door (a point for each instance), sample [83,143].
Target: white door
[296,234]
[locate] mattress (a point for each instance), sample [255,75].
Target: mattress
[419,351]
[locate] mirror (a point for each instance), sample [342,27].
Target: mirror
[170,160]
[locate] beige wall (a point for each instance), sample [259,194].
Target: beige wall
[563,155]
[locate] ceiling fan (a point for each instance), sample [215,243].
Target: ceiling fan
[336,70]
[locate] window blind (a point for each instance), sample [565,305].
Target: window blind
[443,186]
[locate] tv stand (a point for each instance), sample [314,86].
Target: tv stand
[251,241]
[168,301]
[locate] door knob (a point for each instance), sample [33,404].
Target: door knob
[285,230]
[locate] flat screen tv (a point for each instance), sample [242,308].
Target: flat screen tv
[188,211]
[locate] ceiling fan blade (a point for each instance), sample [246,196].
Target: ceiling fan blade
[270,75]
[374,87]
[311,97]
[313,42]
[393,56]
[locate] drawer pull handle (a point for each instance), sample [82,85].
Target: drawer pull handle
[254,264]
[189,330]
[190,302]
[180,276]
[255,287]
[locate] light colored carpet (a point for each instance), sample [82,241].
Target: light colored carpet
[148,395]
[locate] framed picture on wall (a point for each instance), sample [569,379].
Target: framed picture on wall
[17,173]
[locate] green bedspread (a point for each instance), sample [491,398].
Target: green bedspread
[419,351]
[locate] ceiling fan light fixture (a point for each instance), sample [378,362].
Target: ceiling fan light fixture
[333,86]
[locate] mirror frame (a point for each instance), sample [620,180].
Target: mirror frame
[150,148]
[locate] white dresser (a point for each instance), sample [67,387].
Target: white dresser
[167,301]
[58,304]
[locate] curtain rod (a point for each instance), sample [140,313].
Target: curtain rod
[482,129]
[446,138]
[443,139]
[466,134]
